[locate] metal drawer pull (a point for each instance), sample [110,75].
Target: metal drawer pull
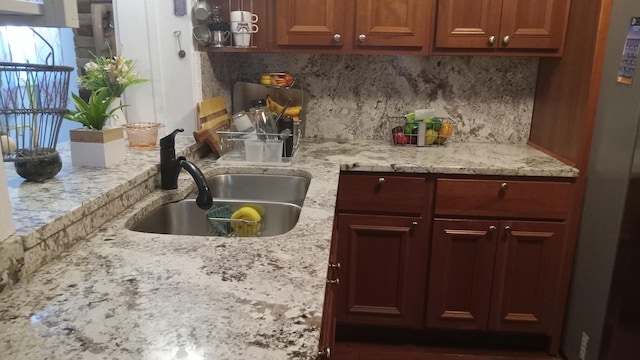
[381,180]
[325,354]
[337,37]
[492,40]
[506,39]
[362,37]
[504,186]
[414,224]
[334,266]
[492,229]
[336,281]
[507,228]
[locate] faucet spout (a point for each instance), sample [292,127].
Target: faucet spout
[170,167]
[204,199]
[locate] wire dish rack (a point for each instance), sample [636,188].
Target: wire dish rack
[233,144]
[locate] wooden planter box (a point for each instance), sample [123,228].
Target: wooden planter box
[97,148]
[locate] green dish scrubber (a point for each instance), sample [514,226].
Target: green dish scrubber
[221,228]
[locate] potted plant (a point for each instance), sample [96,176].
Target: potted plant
[95,145]
[114,74]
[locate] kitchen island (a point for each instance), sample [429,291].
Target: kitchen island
[127,295]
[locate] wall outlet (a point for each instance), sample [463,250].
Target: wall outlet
[583,346]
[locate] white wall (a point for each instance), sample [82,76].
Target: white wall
[145,33]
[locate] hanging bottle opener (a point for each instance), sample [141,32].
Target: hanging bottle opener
[181,53]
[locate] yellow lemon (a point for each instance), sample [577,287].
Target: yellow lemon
[248,214]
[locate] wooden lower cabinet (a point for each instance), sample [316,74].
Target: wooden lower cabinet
[383,267]
[495,275]
[429,258]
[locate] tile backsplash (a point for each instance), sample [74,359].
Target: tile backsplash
[488,99]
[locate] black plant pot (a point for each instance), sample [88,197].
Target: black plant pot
[37,165]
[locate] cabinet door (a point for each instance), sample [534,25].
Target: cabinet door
[328,323]
[311,22]
[468,23]
[397,23]
[526,277]
[462,258]
[383,263]
[533,24]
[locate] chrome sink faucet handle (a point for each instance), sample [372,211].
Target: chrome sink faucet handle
[170,167]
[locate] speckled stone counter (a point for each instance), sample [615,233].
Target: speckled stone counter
[119,294]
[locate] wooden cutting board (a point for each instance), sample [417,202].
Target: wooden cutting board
[212,116]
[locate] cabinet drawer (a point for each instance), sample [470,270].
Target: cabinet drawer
[389,194]
[526,199]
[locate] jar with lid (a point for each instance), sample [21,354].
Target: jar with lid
[217,23]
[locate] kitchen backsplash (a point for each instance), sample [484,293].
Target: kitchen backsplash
[488,99]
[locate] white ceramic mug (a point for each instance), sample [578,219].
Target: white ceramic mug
[241,40]
[243,27]
[243,16]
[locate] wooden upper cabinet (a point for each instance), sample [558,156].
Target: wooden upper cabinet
[310,22]
[354,26]
[533,24]
[467,23]
[392,23]
[502,24]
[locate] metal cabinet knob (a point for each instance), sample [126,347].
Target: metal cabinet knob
[334,266]
[362,37]
[325,354]
[506,39]
[507,228]
[336,281]
[414,224]
[337,37]
[492,229]
[492,40]
[504,186]
[381,180]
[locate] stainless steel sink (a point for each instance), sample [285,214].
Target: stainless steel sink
[280,188]
[184,217]
[278,199]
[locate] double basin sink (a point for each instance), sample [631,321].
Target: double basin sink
[277,198]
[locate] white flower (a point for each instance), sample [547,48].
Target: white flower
[120,80]
[90,66]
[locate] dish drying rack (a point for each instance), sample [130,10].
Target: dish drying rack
[233,148]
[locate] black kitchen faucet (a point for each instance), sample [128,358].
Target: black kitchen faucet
[170,167]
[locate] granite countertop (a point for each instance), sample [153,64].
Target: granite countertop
[127,295]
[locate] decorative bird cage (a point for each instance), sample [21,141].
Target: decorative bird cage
[33,100]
